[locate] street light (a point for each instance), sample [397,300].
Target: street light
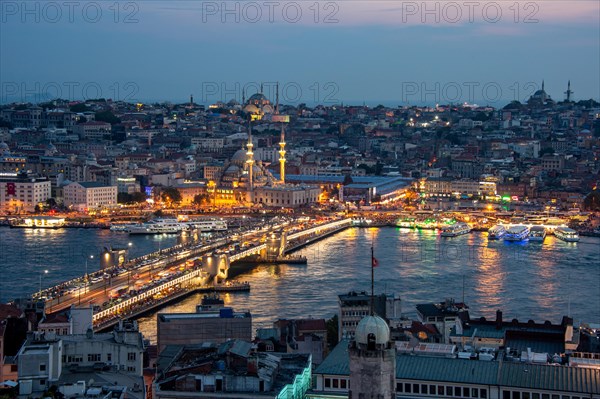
[129,266]
[85,278]
[41,274]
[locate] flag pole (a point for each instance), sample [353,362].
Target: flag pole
[372,280]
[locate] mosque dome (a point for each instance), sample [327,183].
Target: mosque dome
[258,98]
[372,325]
[252,109]
[239,157]
[4,150]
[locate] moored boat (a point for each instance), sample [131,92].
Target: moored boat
[566,234]
[158,226]
[207,225]
[406,223]
[38,222]
[496,232]
[537,233]
[455,229]
[517,233]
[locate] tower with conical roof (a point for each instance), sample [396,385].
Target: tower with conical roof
[372,356]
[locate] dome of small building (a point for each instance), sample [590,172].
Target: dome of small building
[372,325]
[252,109]
[4,150]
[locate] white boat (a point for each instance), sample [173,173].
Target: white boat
[496,232]
[566,234]
[158,226]
[406,223]
[537,233]
[517,233]
[121,227]
[207,225]
[455,229]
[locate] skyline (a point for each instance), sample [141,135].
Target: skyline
[389,52]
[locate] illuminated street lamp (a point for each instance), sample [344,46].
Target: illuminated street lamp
[85,278]
[41,274]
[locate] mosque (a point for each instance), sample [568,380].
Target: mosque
[245,179]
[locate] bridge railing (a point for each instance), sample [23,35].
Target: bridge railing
[113,310]
[248,252]
[326,226]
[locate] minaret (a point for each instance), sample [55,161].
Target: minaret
[281,142]
[243,97]
[568,92]
[542,85]
[282,155]
[250,160]
[191,100]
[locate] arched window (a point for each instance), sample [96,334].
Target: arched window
[371,342]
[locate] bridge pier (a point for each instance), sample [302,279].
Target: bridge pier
[217,266]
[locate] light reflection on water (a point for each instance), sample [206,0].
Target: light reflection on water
[24,253]
[529,280]
[526,280]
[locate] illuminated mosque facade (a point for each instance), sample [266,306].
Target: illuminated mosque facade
[247,180]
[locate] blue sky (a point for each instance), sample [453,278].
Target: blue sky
[392,52]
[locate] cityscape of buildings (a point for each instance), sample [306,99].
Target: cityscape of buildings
[100,159]
[99,153]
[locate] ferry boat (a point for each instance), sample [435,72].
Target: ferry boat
[496,232]
[121,227]
[39,222]
[455,229]
[408,223]
[158,226]
[517,233]
[537,233]
[207,225]
[566,234]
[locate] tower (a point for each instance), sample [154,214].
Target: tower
[372,355]
[191,100]
[568,92]
[250,160]
[372,361]
[281,141]
[282,155]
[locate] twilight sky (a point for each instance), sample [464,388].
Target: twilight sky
[391,52]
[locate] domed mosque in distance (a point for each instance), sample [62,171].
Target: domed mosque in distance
[372,360]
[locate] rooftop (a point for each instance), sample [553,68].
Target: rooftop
[497,373]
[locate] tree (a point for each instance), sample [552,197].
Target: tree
[201,199]
[546,150]
[591,202]
[107,116]
[332,331]
[81,107]
[170,195]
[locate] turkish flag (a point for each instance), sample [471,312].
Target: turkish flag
[374,262]
[11,189]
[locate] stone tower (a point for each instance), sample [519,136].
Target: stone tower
[372,361]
